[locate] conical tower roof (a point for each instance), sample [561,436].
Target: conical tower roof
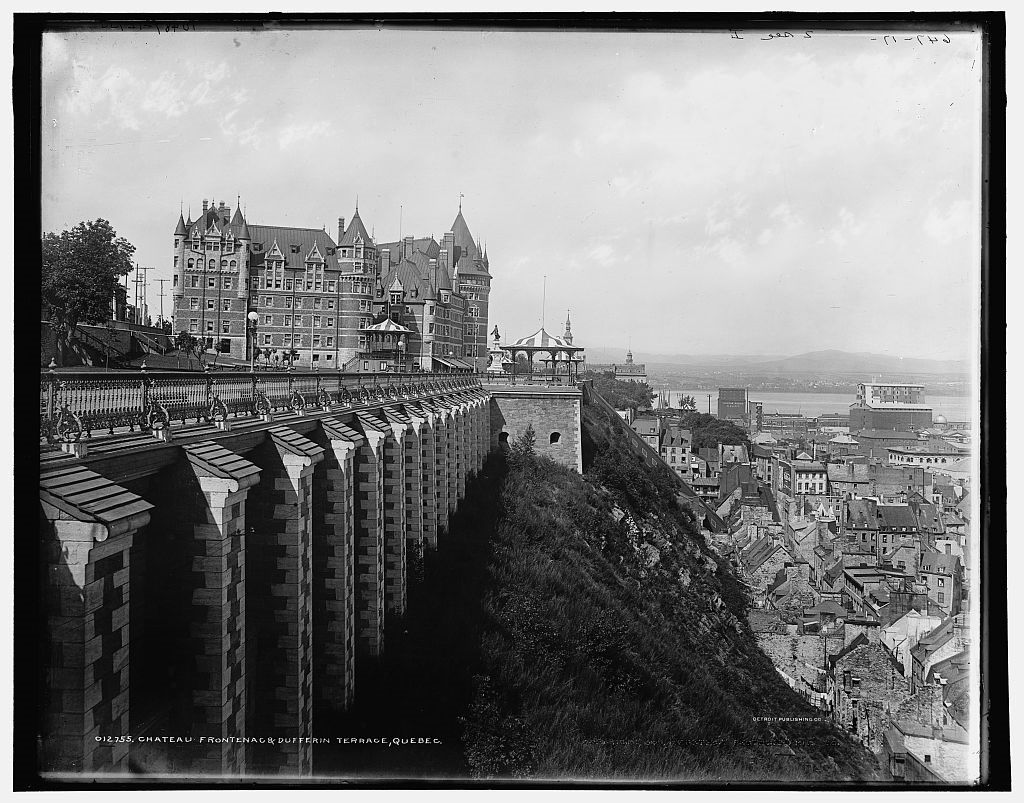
[463,236]
[180,230]
[239,225]
[355,227]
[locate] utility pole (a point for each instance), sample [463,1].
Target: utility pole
[143,306]
[162,283]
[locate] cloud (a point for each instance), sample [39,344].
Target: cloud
[301,132]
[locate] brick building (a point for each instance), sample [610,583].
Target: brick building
[319,299]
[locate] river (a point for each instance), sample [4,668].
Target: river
[954,408]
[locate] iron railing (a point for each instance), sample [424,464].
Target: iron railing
[82,404]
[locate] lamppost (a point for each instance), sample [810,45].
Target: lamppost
[401,354]
[252,319]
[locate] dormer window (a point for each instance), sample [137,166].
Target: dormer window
[257,247]
[294,249]
[445,297]
[396,298]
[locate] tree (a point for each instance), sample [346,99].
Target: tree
[619,394]
[81,269]
[523,449]
[688,404]
[184,343]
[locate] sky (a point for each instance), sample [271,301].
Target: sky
[681,192]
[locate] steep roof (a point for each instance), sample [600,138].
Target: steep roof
[286,237]
[861,513]
[897,516]
[180,230]
[940,563]
[754,556]
[355,227]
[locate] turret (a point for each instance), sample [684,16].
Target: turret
[568,329]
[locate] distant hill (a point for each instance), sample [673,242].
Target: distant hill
[830,360]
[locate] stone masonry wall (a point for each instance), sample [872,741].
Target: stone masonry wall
[548,414]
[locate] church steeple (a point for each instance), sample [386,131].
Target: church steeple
[568,329]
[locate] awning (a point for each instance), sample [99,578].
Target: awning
[445,364]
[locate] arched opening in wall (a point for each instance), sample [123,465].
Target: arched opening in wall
[555,437]
[503,439]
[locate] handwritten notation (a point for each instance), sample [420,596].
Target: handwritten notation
[920,39]
[888,39]
[149,27]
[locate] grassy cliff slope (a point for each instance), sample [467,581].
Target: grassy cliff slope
[613,643]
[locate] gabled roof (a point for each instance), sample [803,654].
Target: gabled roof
[931,641]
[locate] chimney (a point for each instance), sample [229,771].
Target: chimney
[385,260]
[205,206]
[854,627]
[341,228]
[407,247]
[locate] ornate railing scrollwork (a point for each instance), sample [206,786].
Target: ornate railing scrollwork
[344,397]
[156,418]
[323,398]
[218,409]
[68,426]
[261,402]
[364,395]
[296,401]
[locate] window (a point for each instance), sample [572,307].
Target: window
[193,325]
[556,436]
[175,280]
[225,327]
[209,326]
[287,320]
[316,321]
[195,281]
[316,340]
[268,320]
[330,342]
[330,303]
[270,301]
[266,340]
[383,365]
[330,322]
[226,304]
[175,261]
[193,303]
[234,264]
[288,302]
[942,598]
[211,281]
[318,303]
[287,284]
[209,303]
[227,283]
[366,365]
[223,263]
[330,288]
[942,582]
